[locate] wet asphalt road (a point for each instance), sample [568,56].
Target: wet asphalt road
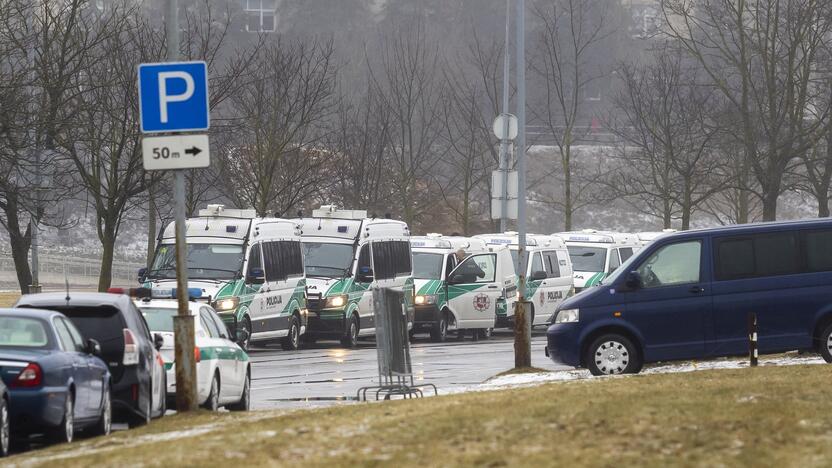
[329,374]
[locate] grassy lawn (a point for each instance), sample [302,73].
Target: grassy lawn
[768,416]
[7,299]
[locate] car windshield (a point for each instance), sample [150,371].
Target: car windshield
[327,259]
[591,259]
[427,265]
[21,332]
[205,261]
[159,319]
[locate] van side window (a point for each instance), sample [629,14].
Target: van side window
[363,258]
[672,264]
[477,269]
[291,257]
[450,263]
[550,259]
[626,253]
[403,257]
[818,248]
[271,262]
[382,261]
[758,255]
[254,260]
[615,262]
[537,263]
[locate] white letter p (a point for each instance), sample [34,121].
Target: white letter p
[164,99]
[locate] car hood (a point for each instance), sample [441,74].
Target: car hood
[326,286]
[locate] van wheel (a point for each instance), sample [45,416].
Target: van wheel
[244,326]
[439,332]
[350,340]
[104,424]
[612,354]
[292,340]
[825,344]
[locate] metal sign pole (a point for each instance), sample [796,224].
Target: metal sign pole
[183,323]
[522,326]
[504,141]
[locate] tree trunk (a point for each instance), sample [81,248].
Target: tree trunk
[19,243]
[823,206]
[770,205]
[108,244]
[667,214]
[567,190]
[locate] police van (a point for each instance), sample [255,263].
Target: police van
[647,237]
[548,274]
[596,254]
[460,283]
[346,256]
[249,268]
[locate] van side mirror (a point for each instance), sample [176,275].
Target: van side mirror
[93,347]
[142,274]
[365,275]
[256,276]
[538,275]
[633,280]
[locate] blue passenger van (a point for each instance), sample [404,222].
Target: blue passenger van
[688,295]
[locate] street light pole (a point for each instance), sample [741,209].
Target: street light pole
[185,343]
[522,325]
[504,142]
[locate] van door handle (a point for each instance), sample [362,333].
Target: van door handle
[696,289]
[493,286]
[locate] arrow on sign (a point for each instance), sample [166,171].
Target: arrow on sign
[194,151]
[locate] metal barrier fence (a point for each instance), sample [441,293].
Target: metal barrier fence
[395,371]
[80,271]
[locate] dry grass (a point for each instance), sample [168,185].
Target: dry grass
[7,299]
[767,416]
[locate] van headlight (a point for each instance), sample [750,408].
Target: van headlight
[567,316]
[334,302]
[425,299]
[227,304]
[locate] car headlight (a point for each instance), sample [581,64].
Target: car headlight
[336,301]
[567,316]
[227,304]
[425,299]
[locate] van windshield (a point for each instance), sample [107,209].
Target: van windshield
[591,259]
[427,265]
[205,261]
[327,260]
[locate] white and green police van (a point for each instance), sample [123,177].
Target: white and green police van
[250,269]
[346,256]
[548,274]
[596,254]
[461,296]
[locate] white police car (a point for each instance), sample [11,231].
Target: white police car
[223,368]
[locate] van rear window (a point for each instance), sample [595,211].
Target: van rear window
[104,324]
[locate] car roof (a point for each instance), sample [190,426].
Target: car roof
[26,312]
[59,299]
[193,306]
[754,227]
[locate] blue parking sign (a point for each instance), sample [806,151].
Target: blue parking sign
[173,97]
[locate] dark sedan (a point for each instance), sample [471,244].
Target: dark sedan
[56,381]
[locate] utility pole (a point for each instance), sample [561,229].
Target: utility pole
[504,142]
[522,325]
[185,344]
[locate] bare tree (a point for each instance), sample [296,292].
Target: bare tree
[275,161]
[571,38]
[671,163]
[408,85]
[760,56]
